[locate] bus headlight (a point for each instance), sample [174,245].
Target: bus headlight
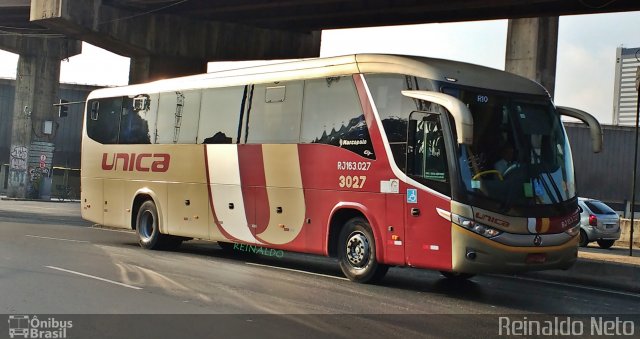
[573,231]
[483,230]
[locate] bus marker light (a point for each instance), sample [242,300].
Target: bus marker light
[395,237]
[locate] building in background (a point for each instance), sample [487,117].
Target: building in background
[625,97]
[606,175]
[68,134]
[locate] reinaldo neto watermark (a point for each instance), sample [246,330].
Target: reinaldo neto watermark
[25,326]
[269,252]
[566,326]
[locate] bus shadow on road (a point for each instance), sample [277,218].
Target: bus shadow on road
[397,278]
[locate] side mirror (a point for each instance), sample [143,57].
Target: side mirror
[594,126]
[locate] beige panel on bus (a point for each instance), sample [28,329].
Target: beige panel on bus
[113,204]
[188,210]
[91,196]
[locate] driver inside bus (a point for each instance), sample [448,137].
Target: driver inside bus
[507,160]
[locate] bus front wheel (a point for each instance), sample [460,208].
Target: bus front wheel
[148,229]
[357,252]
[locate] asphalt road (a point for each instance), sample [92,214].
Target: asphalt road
[53,262]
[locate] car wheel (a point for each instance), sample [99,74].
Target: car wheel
[605,243]
[456,275]
[584,240]
[357,252]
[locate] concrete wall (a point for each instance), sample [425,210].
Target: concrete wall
[626,233]
[69,129]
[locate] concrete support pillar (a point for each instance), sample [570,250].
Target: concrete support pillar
[150,68]
[532,47]
[34,116]
[163,45]
[36,89]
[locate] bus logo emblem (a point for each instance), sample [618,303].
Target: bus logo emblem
[537,240]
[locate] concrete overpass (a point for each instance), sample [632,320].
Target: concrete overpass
[167,38]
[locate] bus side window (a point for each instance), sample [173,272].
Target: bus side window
[104,123]
[219,113]
[134,127]
[332,115]
[273,114]
[178,114]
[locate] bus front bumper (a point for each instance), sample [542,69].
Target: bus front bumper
[473,253]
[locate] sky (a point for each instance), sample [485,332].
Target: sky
[584,74]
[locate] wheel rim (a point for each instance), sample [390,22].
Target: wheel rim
[358,250]
[147,225]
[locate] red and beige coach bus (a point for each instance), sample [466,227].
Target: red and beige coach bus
[378,160]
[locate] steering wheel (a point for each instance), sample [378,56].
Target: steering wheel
[509,169]
[483,173]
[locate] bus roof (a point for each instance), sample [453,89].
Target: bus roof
[430,68]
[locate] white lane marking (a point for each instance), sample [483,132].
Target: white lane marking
[50,238]
[603,290]
[292,270]
[94,277]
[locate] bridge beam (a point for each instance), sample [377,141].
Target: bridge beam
[163,45]
[532,48]
[34,116]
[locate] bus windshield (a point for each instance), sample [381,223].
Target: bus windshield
[520,154]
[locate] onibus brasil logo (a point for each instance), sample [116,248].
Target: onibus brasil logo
[25,326]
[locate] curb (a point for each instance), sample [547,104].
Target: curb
[616,276]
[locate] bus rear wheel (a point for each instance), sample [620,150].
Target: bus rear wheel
[357,252]
[148,229]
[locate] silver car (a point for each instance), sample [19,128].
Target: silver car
[598,222]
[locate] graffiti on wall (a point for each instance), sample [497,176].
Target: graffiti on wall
[18,159]
[37,173]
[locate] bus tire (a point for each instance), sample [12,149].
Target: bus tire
[357,252]
[148,227]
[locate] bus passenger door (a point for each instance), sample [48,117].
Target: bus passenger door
[428,234]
